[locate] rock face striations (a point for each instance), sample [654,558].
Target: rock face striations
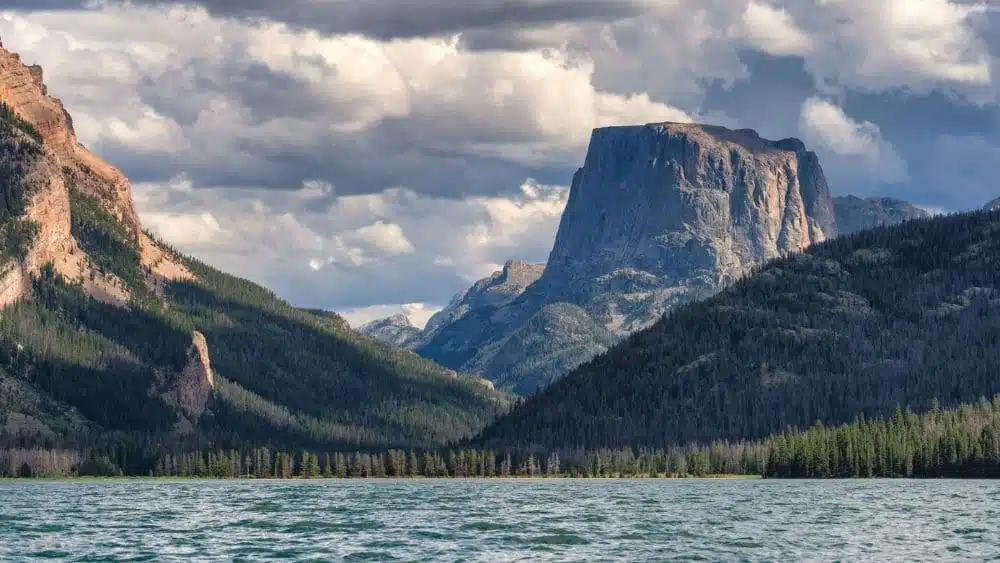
[856,214]
[39,136]
[663,212]
[659,215]
[22,89]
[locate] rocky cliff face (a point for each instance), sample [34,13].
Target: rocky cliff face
[191,388]
[662,211]
[856,214]
[56,164]
[497,290]
[658,215]
[22,88]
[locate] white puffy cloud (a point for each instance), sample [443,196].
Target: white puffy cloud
[856,143]
[373,161]
[916,46]
[349,252]
[234,103]
[771,30]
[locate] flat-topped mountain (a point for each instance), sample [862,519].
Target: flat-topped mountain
[659,215]
[662,212]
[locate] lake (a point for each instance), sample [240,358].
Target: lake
[500,520]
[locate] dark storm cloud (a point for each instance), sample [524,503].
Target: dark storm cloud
[390,19]
[38,5]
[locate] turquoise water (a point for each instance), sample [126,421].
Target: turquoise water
[518,520]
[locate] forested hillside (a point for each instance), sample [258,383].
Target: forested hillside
[854,326]
[959,442]
[112,342]
[281,374]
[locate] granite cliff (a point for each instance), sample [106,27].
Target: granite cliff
[659,215]
[665,212]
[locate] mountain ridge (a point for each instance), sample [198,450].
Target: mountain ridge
[111,339]
[905,315]
[658,215]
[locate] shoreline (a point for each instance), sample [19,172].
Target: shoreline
[403,478]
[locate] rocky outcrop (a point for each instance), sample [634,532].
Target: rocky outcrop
[659,215]
[396,329]
[54,162]
[22,89]
[856,214]
[664,210]
[193,386]
[499,289]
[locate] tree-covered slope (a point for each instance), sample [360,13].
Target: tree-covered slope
[898,315]
[110,339]
[282,374]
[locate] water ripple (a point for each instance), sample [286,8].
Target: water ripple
[499,520]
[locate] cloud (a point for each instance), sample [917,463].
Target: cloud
[771,30]
[346,252]
[854,142]
[916,46]
[417,18]
[233,104]
[368,152]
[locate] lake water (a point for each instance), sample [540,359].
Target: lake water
[517,520]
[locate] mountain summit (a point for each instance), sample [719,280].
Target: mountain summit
[665,211]
[659,215]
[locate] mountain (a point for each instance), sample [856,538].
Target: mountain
[906,315]
[497,290]
[659,215]
[111,339]
[396,330]
[856,214]
[992,205]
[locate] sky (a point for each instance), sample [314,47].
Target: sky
[377,156]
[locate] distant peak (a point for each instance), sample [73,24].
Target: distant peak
[513,265]
[399,319]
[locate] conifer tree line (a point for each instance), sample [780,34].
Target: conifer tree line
[960,442]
